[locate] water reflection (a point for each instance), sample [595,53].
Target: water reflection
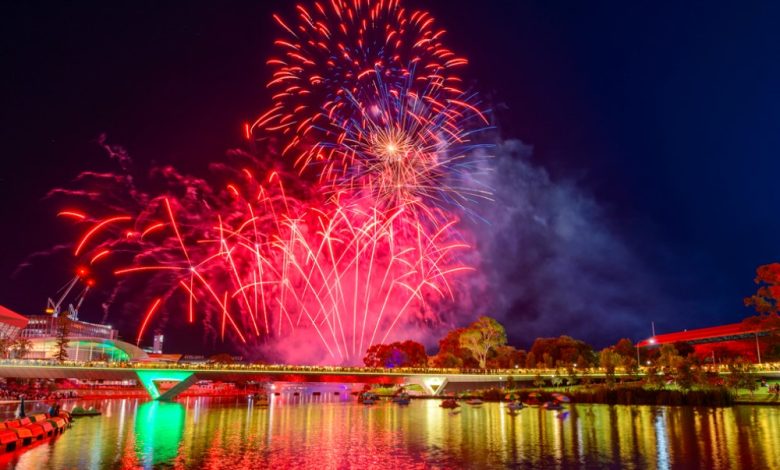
[158,431]
[335,432]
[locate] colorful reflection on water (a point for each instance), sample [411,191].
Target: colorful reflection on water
[335,432]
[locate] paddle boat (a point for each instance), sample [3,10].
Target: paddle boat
[17,433]
[260,399]
[402,399]
[534,399]
[552,405]
[369,398]
[515,405]
[449,403]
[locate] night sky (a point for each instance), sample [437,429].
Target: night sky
[664,117]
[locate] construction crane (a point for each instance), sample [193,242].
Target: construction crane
[55,307]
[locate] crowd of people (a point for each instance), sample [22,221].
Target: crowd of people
[11,391]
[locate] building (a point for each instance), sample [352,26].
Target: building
[717,343]
[11,324]
[158,343]
[42,326]
[86,341]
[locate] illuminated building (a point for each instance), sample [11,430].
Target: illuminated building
[11,323]
[86,341]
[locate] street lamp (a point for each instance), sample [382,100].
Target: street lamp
[638,360]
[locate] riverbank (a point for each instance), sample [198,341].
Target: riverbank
[637,395]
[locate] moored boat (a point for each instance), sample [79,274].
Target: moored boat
[368,398]
[261,399]
[515,405]
[449,403]
[474,402]
[402,399]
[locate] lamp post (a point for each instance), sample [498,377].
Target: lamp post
[638,360]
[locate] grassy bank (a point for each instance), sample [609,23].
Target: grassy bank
[624,395]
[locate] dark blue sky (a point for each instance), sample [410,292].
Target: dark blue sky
[666,115]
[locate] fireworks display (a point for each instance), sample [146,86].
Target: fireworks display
[359,237]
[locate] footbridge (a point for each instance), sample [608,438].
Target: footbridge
[434,381]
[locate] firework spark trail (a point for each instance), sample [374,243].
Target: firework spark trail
[366,99]
[322,266]
[366,96]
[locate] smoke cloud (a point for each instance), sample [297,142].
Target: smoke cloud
[553,262]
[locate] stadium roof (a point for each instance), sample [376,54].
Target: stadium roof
[12,318]
[712,334]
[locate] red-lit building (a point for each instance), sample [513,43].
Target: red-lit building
[718,342]
[11,323]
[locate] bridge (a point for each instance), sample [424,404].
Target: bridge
[434,381]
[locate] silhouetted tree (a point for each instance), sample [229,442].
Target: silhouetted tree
[64,323]
[563,350]
[398,354]
[21,347]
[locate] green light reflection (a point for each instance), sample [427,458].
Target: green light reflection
[159,427]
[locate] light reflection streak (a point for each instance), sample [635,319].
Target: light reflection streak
[662,445]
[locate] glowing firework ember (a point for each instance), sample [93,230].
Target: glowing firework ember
[365,99]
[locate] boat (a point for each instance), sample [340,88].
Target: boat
[18,433]
[261,400]
[368,398]
[78,411]
[474,402]
[552,405]
[561,398]
[515,405]
[449,403]
[534,399]
[402,399]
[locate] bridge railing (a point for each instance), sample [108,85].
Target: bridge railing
[205,366]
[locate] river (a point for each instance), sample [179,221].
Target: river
[330,431]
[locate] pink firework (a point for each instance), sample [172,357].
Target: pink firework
[366,100]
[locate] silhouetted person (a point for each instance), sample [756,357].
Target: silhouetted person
[20,412]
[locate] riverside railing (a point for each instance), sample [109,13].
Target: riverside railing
[346,370]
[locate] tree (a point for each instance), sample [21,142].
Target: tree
[669,358]
[768,326]
[21,347]
[685,376]
[530,360]
[506,357]
[538,380]
[64,323]
[398,354]
[684,348]
[481,337]
[609,360]
[653,377]
[766,300]
[563,350]
[451,354]
[625,348]
[740,375]
[5,346]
